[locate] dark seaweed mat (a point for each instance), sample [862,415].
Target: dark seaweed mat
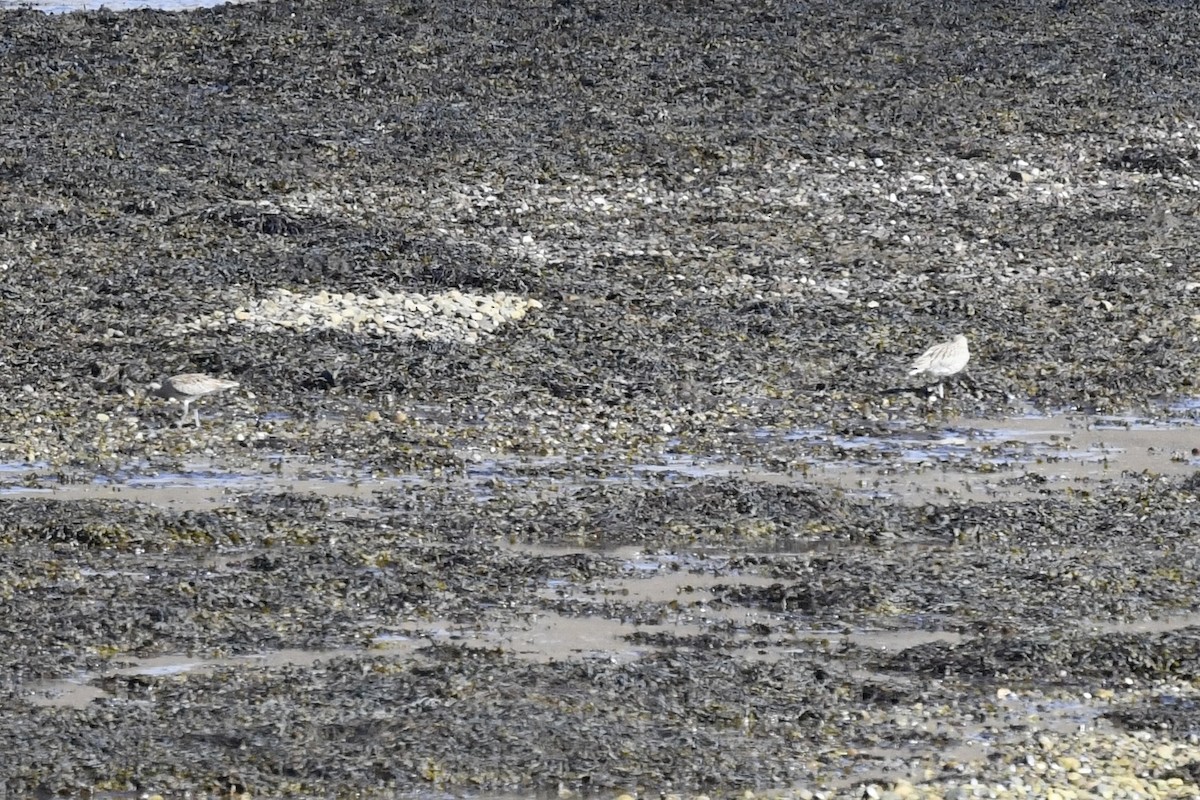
[1070,658]
[1177,715]
[455,719]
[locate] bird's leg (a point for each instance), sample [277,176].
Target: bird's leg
[184,416]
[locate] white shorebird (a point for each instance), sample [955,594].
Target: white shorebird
[188,387]
[943,360]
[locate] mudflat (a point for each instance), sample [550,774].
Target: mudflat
[574,451]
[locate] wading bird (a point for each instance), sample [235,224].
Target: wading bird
[943,360]
[188,387]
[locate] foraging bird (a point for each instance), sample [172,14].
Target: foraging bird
[943,360]
[188,387]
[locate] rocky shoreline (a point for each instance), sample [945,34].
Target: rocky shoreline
[572,342]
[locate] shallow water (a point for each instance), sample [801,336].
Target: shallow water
[975,460]
[982,460]
[82,689]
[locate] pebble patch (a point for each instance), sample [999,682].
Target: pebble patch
[450,316]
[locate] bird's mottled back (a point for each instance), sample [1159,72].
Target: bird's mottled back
[187,387]
[943,359]
[194,384]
